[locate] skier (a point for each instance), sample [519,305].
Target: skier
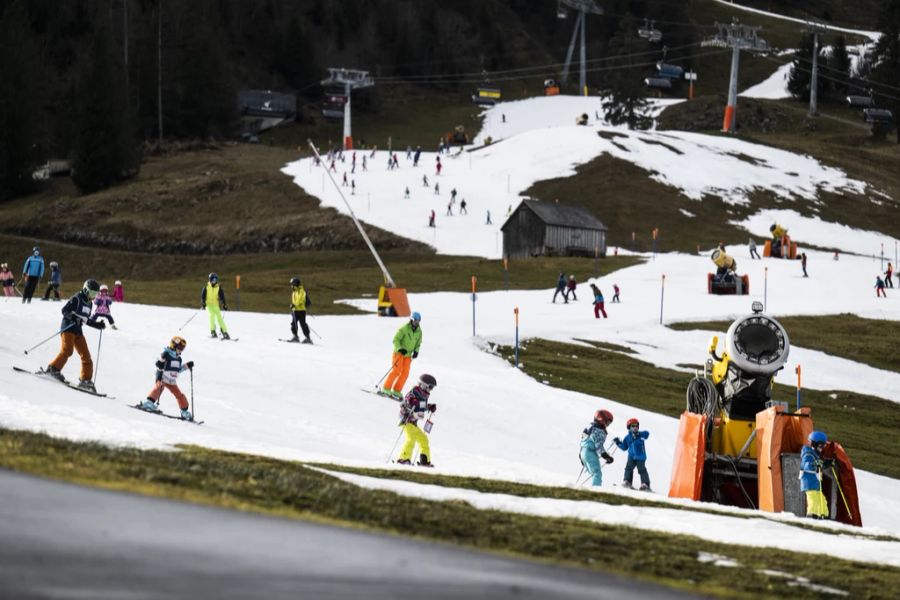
[598,302]
[437,188]
[453,194]
[406,193]
[879,287]
[365,164]
[407,342]
[450,209]
[300,301]
[462,207]
[77,312]
[101,307]
[803,263]
[32,272]
[352,187]
[168,367]
[887,275]
[118,292]
[8,279]
[425,180]
[55,281]
[487,220]
[811,464]
[438,167]
[561,288]
[413,408]
[593,438]
[417,155]
[570,288]
[211,298]
[615,292]
[431,218]
[637,454]
[408,152]
[344,183]
[753,252]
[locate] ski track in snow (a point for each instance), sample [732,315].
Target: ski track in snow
[304,402]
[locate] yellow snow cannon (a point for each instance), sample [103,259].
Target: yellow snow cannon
[726,281]
[738,446]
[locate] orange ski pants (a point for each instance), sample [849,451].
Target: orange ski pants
[157,391]
[399,372]
[69,342]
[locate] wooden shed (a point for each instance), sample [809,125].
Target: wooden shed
[538,228]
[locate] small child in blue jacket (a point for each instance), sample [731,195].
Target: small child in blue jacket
[637,454]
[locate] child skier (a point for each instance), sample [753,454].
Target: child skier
[637,455]
[811,475]
[570,288]
[598,302]
[879,287]
[8,280]
[593,438]
[615,292]
[55,281]
[211,298]
[77,312]
[300,301]
[413,408]
[561,288]
[101,307]
[168,367]
[119,292]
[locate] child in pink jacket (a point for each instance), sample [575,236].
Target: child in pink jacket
[101,307]
[119,292]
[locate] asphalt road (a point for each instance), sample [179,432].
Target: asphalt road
[59,540]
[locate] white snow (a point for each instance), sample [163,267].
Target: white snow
[872,35]
[540,141]
[305,403]
[772,88]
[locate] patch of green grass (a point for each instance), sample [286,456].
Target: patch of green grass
[289,489]
[868,341]
[865,425]
[328,275]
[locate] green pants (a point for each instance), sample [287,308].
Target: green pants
[215,315]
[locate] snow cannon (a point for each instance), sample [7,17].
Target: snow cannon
[780,246]
[739,447]
[725,281]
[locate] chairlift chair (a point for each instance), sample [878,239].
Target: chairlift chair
[877,115]
[669,71]
[860,101]
[486,96]
[658,83]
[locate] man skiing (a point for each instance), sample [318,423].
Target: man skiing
[168,367]
[637,454]
[407,342]
[300,301]
[77,312]
[211,298]
[32,273]
[413,408]
[811,464]
[593,438]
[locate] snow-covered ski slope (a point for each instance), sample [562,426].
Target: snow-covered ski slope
[305,402]
[539,140]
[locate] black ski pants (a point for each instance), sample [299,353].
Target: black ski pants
[30,285]
[52,288]
[299,316]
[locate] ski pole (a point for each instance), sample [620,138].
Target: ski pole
[841,490]
[97,368]
[578,479]
[314,331]
[49,338]
[394,447]
[383,376]
[192,391]
[189,320]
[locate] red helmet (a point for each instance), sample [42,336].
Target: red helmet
[631,422]
[603,416]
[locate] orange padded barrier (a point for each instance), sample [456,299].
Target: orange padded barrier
[777,432]
[392,302]
[847,481]
[690,454]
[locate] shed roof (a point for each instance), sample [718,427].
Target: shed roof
[553,213]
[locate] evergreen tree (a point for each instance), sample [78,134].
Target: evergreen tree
[626,102]
[839,66]
[886,66]
[801,71]
[104,148]
[20,103]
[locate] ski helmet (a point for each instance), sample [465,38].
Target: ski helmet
[118,282]
[631,422]
[603,416]
[104,288]
[295,282]
[213,278]
[427,381]
[818,437]
[772,227]
[4,266]
[178,343]
[91,287]
[54,264]
[416,317]
[36,250]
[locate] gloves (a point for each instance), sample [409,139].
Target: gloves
[189,364]
[415,355]
[100,324]
[607,458]
[617,441]
[402,351]
[224,307]
[432,407]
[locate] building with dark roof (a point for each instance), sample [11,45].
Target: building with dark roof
[538,228]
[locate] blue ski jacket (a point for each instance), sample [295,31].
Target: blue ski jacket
[810,465]
[34,266]
[634,443]
[55,276]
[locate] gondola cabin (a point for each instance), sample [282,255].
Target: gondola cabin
[538,228]
[486,96]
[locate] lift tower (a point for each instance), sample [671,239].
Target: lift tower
[583,7]
[351,79]
[737,37]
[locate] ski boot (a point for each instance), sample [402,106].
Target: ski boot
[626,484]
[149,405]
[55,373]
[212,334]
[114,326]
[295,339]
[225,335]
[87,385]
[306,341]
[423,461]
[404,461]
[645,487]
[385,392]
[186,415]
